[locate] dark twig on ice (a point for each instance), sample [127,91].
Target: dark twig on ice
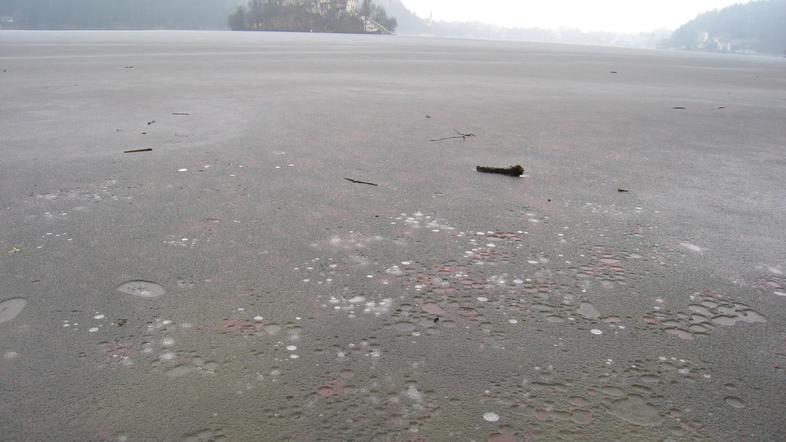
[516,170]
[621,190]
[138,150]
[460,136]
[360,182]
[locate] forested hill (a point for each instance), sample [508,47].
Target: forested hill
[407,21]
[759,26]
[116,14]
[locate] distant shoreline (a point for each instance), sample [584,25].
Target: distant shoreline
[685,52]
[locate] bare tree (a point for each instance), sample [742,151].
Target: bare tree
[237,21]
[256,13]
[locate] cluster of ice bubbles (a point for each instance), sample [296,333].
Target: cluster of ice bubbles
[362,304]
[557,405]
[710,312]
[636,396]
[11,308]
[418,220]
[142,289]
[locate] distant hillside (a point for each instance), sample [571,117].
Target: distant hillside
[115,14]
[759,26]
[408,22]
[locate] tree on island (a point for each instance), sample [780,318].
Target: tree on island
[237,21]
[379,15]
[309,16]
[365,8]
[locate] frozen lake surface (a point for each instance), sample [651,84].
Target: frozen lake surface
[231,284]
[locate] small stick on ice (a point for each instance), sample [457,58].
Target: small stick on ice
[516,170]
[138,150]
[360,182]
[461,136]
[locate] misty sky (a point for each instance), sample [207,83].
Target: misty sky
[589,15]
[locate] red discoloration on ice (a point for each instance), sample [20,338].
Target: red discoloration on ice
[468,313]
[680,333]
[432,308]
[240,326]
[118,350]
[507,236]
[333,388]
[649,320]
[692,427]
[497,437]
[103,433]
[709,294]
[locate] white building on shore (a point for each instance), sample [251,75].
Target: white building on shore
[353,7]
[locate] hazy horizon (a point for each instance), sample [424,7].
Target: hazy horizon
[601,15]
